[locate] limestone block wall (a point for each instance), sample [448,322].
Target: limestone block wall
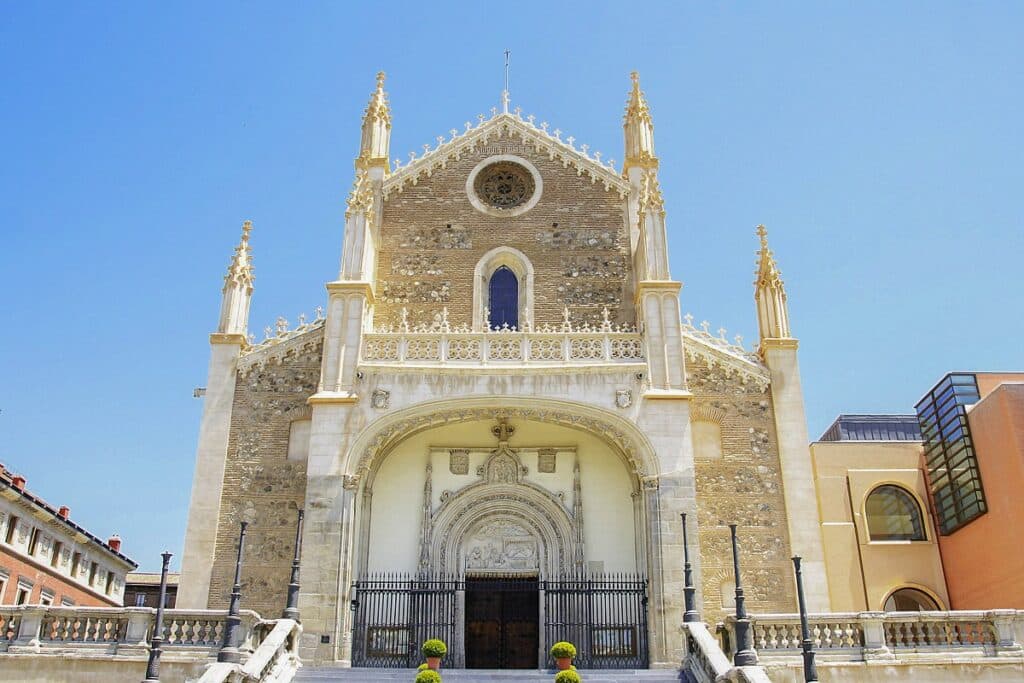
[261,484]
[740,482]
[575,237]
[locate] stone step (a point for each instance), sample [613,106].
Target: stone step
[356,675]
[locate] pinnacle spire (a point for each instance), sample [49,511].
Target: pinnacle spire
[770,293]
[639,128]
[376,133]
[237,291]
[240,271]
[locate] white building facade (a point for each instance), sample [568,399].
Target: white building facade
[501,403]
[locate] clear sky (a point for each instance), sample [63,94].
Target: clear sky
[879,142]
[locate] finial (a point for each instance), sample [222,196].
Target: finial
[504,93]
[639,128]
[246,229]
[380,80]
[762,232]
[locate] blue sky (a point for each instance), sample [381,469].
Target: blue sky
[879,142]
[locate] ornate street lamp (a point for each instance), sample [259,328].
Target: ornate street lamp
[157,639]
[745,655]
[229,648]
[806,644]
[689,592]
[291,611]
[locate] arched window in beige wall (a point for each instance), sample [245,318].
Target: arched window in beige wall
[909,600]
[893,515]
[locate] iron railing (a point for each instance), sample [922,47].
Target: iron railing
[604,616]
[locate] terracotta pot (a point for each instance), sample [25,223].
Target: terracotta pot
[434,663]
[563,663]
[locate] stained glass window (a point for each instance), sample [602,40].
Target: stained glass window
[503,298]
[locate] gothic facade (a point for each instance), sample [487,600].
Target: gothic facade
[500,388]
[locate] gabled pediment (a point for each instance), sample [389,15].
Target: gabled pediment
[506,126]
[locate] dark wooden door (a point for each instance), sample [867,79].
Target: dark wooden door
[502,629]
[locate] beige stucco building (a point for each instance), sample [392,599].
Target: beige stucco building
[500,397]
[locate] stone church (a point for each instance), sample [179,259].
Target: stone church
[494,423]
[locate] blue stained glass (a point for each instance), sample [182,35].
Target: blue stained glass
[503,295]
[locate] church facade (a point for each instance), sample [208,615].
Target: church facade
[497,419]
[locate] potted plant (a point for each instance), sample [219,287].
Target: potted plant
[563,652]
[428,676]
[568,676]
[433,650]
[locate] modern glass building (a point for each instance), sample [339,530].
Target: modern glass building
[950,460]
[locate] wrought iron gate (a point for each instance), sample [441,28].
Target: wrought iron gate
[395,613]
[604,616]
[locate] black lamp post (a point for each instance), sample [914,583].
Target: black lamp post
[229,648]
[806,644]
[745,655]
[157,639]
[689,592]
[291,611]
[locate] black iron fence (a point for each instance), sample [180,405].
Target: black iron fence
[604,616]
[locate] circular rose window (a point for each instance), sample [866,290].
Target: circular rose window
[504,185]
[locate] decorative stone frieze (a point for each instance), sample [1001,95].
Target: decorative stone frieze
[412,265]
[593,266]
[574,239]
[416,291]
[443,237]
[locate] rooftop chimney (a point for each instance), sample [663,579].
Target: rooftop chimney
[64,512]
[114,543]
[19,482]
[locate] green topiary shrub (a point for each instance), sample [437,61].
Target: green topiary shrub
[562,649]
[423,667]
[428,676]
[434,648]
[567,676]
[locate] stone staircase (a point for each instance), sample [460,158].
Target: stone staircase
[346,675]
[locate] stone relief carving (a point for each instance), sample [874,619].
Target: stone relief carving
[502,544]
[395,431]
[623,398]
[458,461]
[501,522]
[380,398]
[546,460]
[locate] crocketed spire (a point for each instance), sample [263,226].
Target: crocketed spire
[376,139]
[770,293]
[638,128]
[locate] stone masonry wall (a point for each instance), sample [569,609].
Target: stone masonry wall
[261,485]
[432,239]
[744,486]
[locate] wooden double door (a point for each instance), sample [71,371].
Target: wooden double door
[502,623]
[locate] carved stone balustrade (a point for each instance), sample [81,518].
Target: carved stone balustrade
[116,630]
[908,637]
[502,349]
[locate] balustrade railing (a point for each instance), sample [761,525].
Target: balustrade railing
[502,347]
[865,636]
[46,629]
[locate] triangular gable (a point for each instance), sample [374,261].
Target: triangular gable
[501,126]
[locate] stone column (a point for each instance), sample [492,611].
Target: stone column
[780,355]
[208,479]
[666,422]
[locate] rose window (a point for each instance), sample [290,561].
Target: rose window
[504,185]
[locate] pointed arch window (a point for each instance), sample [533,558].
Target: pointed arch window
[503,299]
